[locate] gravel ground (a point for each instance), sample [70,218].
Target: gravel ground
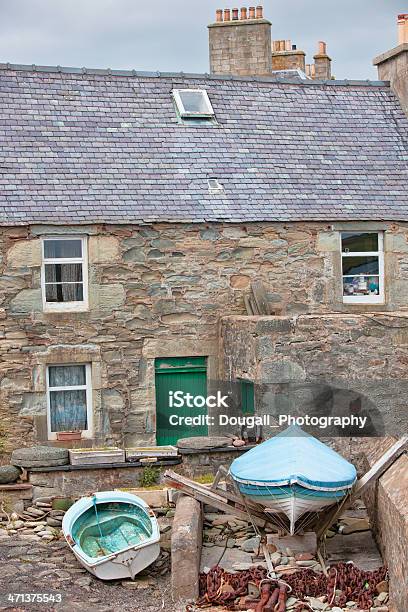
[31,567]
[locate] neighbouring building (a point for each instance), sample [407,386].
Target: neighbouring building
[137,208]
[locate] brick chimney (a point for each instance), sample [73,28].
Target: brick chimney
[240,42]
[322,63]
[286,56]
[393,65]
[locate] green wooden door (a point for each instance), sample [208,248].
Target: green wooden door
[186,374]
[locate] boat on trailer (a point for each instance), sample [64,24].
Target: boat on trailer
[295,475]
[113,534]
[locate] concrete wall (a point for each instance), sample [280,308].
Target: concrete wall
[158,291]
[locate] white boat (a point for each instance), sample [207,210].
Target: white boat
[113,534]
[294,475]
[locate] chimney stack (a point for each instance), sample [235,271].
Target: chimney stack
[322,63]
[286,56]
[393,65]
[240,45]
[403,29]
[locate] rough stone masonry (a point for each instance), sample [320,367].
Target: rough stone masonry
[159,291]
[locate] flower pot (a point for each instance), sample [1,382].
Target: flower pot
[63,436]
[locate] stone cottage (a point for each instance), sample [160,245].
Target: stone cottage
[137,208]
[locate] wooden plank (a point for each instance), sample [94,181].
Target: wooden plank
[207,496]
[16,487]
[381,466]
[378,469]
[248,306]
[254,307]
[260,297]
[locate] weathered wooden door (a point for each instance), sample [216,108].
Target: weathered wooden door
[186,374]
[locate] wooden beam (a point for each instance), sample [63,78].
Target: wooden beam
[212,498]
[378,469]
[260,297]
[381,466]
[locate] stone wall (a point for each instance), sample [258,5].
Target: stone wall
[327,360]
[387,503]
[289,60]
[241,48]
[159,291]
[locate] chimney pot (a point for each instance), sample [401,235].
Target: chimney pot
[403,28]
[288,45]
[244,13]
[235,14]
[227,15]
[218,14]
[259,12]
[252,12]
[322,50]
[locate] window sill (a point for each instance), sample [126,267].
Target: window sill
[364,302]
[65,309]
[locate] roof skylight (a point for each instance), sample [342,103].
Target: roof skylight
[193,103]
[214,186]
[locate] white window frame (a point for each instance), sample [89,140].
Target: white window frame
[77,306]
[85,433]
[365,299]
[177,95]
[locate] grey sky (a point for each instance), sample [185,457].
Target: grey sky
[171,35]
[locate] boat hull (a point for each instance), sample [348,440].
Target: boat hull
[126,564]
[292,501]
[113,534]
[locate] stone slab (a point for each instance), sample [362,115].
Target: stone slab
[39,456]
[359,548]
[156,498]
[204,442]
[186,543]
[227,560]
[306,543]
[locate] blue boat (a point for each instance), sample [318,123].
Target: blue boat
[293,474]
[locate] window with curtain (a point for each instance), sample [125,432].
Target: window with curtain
[68,397]
[64,272]
[362,257]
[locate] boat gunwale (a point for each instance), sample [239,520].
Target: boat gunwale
[102,497]
[293,481]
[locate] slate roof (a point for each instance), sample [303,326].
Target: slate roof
[104,146]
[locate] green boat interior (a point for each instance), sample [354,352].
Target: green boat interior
[110,527]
